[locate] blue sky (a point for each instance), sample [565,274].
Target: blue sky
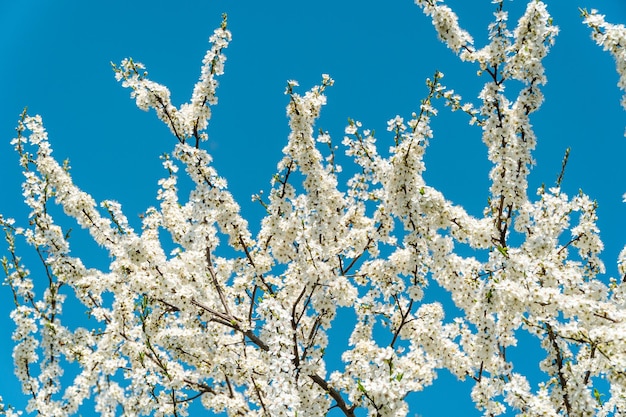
[56,58]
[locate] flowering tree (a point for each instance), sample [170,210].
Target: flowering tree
[240,322]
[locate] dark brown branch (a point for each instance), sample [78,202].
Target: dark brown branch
[215,281]
[347,411]
[560,363]
[231,321]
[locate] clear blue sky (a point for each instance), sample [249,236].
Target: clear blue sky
[55,60]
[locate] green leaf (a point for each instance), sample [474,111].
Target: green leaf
[597,396]
[360,386]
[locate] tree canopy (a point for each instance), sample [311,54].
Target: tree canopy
[196,307]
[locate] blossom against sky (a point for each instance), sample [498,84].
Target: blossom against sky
[379,54]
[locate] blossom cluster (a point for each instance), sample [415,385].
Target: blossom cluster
[612,38]
[240,323]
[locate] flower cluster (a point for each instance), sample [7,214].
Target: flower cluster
[446,24]
[191,119]
[612,38]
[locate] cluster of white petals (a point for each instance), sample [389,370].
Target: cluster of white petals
[612,38]
[446,24]
[239,323]
[191,119]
